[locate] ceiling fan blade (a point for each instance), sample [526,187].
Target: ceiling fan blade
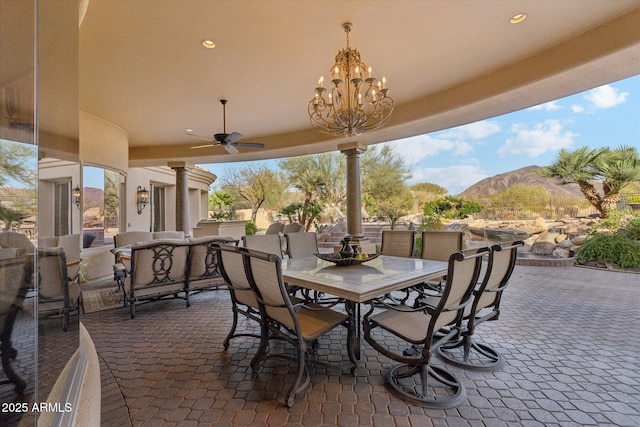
[198,136]
[231,149]
[204,146]
[249,144]
[233,137]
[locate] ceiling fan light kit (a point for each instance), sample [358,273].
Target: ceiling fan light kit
[229,141]
[356,101]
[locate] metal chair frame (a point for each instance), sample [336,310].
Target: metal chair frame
[289,321]
[243,298]
[463,350]
[405,322]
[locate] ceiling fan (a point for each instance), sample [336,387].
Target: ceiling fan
[227,140]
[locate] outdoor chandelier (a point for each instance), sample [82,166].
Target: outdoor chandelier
[356,101]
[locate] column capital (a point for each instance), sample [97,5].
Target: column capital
[356,146]
[180,165]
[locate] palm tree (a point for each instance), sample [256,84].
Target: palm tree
[614,169]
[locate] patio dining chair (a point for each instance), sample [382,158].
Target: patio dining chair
[438,246]
[243,297]
[301,244]
[397,243]
[463,350]
[434,387]
[274,228]
[298,323]
[269,243]
[14,278]
[70,243]
[58,294]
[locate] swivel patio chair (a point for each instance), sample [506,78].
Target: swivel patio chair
[58,294]
[435,386]
[299,324]
[243,297]
[463,350]
[14,278]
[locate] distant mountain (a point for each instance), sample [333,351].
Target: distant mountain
[527,175]
[93,197]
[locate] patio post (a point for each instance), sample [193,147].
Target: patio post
[182,197]
[354,198]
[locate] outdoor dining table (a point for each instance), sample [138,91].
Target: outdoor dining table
[362,282]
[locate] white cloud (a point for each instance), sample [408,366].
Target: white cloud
[477,130]
[577,108]
[547,106]
[454,178]
[546,136]
[606,97]
[416,148]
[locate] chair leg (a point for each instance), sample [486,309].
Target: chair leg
[8,369]
[303,374]
[438,388]
[65,319]
[262,348]
[231,333]
[467,353]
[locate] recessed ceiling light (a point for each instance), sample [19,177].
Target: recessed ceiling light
[517,18]
[209,44]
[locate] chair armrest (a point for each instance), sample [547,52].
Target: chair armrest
[72,263]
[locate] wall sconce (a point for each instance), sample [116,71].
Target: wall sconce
[76,196]
[142,197]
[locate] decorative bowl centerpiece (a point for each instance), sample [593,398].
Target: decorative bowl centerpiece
[337,259]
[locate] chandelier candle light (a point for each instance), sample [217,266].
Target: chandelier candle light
[356,102]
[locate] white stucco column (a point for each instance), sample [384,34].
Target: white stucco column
[182,197]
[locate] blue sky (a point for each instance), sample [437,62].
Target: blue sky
[459,157]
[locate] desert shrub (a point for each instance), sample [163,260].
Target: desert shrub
[610,249]
[632,229]
[451,207]
[250,228]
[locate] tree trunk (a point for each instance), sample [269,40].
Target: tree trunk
[593,197]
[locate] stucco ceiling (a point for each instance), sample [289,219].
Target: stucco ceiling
[448,63]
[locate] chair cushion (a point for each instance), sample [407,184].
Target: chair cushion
[316,322]
[410,326]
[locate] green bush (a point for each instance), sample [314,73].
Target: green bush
[610,249]
[250,228]
[451,207]
[633,228]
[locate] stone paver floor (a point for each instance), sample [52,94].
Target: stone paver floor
[570,336]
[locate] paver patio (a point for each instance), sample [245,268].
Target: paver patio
[571,337]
